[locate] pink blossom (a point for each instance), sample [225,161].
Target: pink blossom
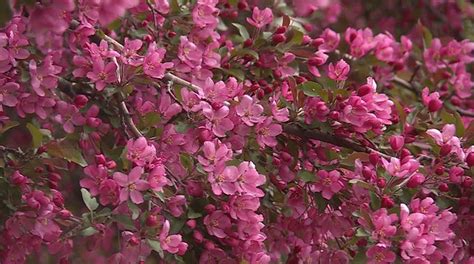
[328,183]
[266,132]
[171,243]
[215,155]
[189,53]
[223,180]
[204,14]
[157,178]
[219,122]
[331,40]
[244,207]
[140,152]
[249,179]
[44,77]
[249,110]
[102,74]
[129,52]
[400,168]
[447,138]
[260,18]
[131,185]
[109,192]
[153,67]
[318,59]
[340,71]
[7,93]
[380,254]
[96,175]
[175,205]
[217,224]
[431,100]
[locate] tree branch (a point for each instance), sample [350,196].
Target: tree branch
[328,138]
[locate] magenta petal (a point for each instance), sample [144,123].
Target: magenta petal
[136,197]
[121,179]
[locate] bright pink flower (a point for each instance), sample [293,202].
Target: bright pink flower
[432,56]
[399,168]
[249,110]
[331,40]
[315,109]
[266,133]
[204,14]
[409,221]
[96,175]
[431,100]
[153,67]
[167,107]
[191,101]
[249,179]
[223,180]
[131,185]
[318,59]
[244,207]
[157,178]
[447,138]
[219,123]
[361,41]
[340,71]
[171,243]
[397,142]
[260,18]
[328,183]
[52,17]
[102,74]
[175,205]
[215,155]
[7,93]
[380,254]
[217,224]
[189,53]
[129,52]
[109,192]
[44,77]
[140,152]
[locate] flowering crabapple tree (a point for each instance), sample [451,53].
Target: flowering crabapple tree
[236,131]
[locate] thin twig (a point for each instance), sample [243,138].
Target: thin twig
[128,120]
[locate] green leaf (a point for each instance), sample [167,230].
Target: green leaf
[187,161]
[66,150]
[5,12]
[192,214]
[314,89]
[35,134]
[459,125]
[242,30]
[134,209]
[238,73]
[8,125]
[126,221]
[321,202]
[242,52]
[181,127]
[90,202]
[297,37]
[156,246]
[360,258]
[306,176]
[150,119]
[374,201]
[89,231]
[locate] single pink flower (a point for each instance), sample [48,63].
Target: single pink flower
[96,175]
[380,254]
[175,205]
[131,185]
[266,133]
[109,192]
[340,71]
[249,179]
[249,110]
[140,152]
[260,18]
[217,224]
[328,183]
[431,100]
[153,67]
[171,243]
[223,180]
[102,74]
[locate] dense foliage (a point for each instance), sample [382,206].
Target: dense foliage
[236,131]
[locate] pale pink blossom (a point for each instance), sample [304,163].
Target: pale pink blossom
[132,185]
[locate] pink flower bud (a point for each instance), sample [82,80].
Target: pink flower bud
[374,158]
[397,142]
[198,237]
[381,182]
[415,180]
[467,182]
[278,38]
[340,71]
[80,100]
[443,187]
[65,214]
[18,179]
[100,159]
[110,164]
[445,150]
[134,241]
[470,159]
[387,202]
[191,223]
[209,208]
[151,220]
